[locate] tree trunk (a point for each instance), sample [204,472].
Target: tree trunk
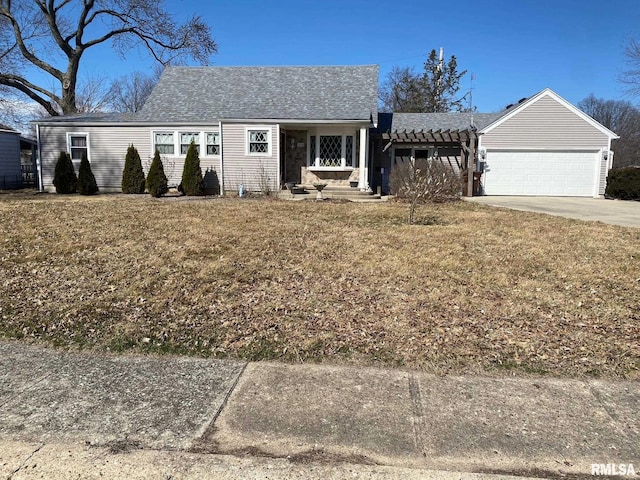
[69,84]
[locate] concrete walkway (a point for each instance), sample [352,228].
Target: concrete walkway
[614,212]
[78,415]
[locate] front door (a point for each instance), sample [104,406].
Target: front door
[295,155]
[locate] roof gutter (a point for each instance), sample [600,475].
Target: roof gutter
[287,121]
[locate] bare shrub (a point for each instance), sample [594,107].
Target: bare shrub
[265,182]
[424,180]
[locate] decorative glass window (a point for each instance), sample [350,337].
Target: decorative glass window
[213,143]
[185,141]
[163,142]
[348,151]
[78,145]
[312,150]
[331,151]
[258,141]
[330,154]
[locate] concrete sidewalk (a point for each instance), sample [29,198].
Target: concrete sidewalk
[79,415]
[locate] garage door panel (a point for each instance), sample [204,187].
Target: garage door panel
[540,173]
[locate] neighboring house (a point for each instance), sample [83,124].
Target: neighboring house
[255,126]
[263,127]
[10,169]
[17,160]
[542,146]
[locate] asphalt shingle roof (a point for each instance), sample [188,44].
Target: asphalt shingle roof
[207,94]
[441,121]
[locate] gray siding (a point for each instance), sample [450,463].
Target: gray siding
[10,172]
[545,125]
[107,150]
[604,171]
[174,164]
[108,147]
[248,170]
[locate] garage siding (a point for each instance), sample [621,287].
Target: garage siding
[545,124]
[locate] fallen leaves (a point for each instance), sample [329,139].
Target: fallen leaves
[486,291]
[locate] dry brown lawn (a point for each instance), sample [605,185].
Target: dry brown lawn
[471,289]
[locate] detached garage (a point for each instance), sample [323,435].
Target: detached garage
[547,147]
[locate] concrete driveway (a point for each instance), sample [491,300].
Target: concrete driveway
[614,212]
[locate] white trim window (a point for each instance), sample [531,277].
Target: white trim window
[164,143]
[334,152]
[77,145]
[258,141]
[213,143]
[185,140]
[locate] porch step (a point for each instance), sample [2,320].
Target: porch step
[332,192]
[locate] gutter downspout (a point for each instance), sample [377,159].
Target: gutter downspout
[221,159]
[39,160]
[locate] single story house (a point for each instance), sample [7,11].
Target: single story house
[254,126]
[264,127]
[17,159]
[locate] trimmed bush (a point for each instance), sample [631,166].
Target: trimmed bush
[624,183]
[192,182]
[156,179]
[64,178]
[133,180]
[86,181]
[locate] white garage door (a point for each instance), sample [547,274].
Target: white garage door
[570,174]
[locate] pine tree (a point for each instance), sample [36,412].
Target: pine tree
[192,182]
[440,83]
[434,90]
[156,179]
[64,178]
[132,175]
[86,180]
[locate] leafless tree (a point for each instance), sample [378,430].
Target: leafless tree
[52,36]
[631,77]
[624,119]
[400,92]
[424,180]
[92,95]
[128,93]
[16,113]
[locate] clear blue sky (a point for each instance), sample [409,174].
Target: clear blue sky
[515,47]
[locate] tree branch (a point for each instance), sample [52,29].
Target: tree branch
[26,53]
[28,89]
[82,23]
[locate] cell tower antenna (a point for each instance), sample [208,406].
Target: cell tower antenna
[473,77]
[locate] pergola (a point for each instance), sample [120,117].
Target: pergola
[467,139]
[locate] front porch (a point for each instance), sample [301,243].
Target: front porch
[334,155]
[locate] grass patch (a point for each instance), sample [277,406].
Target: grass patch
[469,289]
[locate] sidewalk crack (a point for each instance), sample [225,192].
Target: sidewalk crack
[417,419]
[617,421]
[26,460]
[197,445]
